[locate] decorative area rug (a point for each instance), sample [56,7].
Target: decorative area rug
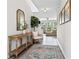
[38,51]
[46,53]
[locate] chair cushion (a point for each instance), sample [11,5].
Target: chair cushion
[35,33]
[37,37]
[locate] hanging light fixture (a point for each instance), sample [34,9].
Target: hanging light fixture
[45,9]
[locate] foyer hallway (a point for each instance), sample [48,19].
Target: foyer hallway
[53,20]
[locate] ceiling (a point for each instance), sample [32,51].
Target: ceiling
[53,5]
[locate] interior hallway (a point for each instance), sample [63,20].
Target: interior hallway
[49,11]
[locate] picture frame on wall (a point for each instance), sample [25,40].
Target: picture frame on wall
[62,16]
[65,14]
[67,11]
[60,19]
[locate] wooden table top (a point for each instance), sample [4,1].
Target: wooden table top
[19,35]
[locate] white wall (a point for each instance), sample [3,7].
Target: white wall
[13,5]
[64,39]
[64,36]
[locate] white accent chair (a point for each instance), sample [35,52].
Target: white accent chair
[36,37]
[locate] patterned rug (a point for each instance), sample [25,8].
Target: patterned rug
[46,53]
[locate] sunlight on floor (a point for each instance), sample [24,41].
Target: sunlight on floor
[49,40]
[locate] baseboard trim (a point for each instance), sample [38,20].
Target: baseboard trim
[61,49]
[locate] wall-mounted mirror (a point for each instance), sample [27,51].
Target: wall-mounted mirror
[20,17]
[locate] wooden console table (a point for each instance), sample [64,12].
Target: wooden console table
[22,47]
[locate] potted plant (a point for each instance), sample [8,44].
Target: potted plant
[34,22]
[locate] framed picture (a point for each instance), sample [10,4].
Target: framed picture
[67,11]
[62,16]
[20,18]
[60,19]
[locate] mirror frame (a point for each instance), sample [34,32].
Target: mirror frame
[18,19]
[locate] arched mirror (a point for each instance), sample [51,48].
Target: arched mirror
[20,17]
